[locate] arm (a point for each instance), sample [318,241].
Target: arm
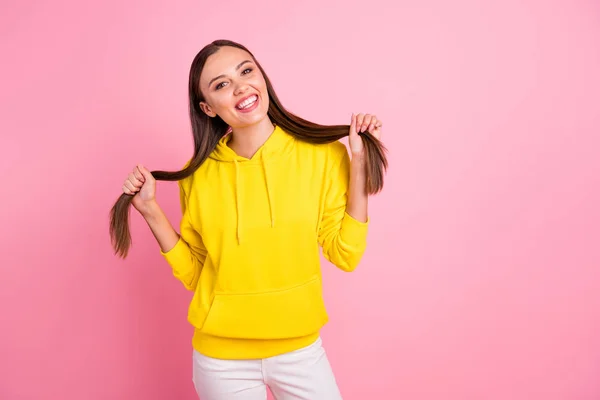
[161,228]
[343,230]
[358,199]
[358,196]
[185,253]
[344,222]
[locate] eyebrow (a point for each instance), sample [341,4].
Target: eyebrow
[222,76]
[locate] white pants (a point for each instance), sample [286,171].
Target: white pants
[303,374]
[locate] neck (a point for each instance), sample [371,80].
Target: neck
[245,141]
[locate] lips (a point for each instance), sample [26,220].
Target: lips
[247,102]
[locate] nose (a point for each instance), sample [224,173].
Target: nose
[240,88]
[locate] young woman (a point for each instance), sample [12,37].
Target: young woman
[263,191]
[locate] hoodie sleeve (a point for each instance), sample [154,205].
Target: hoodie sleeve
[343,238]
[187,257]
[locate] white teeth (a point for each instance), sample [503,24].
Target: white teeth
[248,102]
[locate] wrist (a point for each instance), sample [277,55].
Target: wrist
[358,159]
[150,210]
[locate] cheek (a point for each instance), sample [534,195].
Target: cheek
[258,82]
[220,103]
[261,85]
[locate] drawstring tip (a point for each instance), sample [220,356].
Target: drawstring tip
[272,223]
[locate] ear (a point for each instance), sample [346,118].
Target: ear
[207,109]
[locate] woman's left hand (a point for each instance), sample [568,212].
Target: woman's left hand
[362,123]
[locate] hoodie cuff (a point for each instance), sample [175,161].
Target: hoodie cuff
[178,253]
[353,231]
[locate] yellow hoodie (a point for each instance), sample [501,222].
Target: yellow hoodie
[249,247]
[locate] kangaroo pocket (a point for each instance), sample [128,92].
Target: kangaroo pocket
[292,312]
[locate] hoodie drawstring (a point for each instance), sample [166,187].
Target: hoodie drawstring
[237,200]
[262,158]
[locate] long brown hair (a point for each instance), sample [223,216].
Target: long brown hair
[208,131]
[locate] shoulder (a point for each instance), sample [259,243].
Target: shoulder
[338,149]
[327,156]
[186,183]
[329,151]
[336,153]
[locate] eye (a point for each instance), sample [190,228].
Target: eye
[220,85]
[246,71]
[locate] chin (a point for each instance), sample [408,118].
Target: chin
[252,118]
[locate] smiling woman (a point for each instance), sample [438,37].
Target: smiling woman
[253,219]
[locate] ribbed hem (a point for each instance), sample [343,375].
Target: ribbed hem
[240,349]
[354,232]
[178,254]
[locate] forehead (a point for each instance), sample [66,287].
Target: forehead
[223,62]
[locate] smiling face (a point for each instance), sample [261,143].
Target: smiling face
[234,88]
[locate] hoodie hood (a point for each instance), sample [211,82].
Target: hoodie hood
[277,146]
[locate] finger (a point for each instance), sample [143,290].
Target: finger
[128,188]
[371,127]
[131,186]
[377,130]
[377,133]
[138,174]
[366,122]
[135,181]
[147,174]
[359,121]
[352,125]
[373,124]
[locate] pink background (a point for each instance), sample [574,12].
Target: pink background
[482,278]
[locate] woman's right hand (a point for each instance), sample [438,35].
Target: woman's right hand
[142,186]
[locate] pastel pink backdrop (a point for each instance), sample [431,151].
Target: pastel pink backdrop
[481,280]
